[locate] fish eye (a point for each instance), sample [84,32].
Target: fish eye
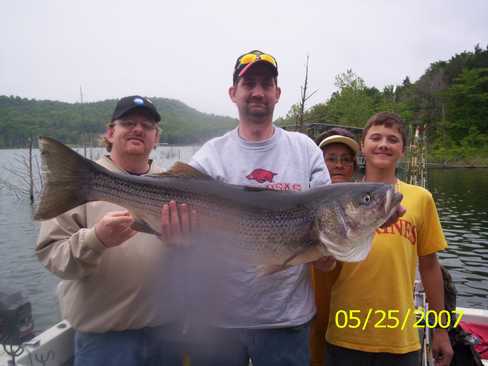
[367,198]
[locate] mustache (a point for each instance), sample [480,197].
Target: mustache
[137,137]
[257,100]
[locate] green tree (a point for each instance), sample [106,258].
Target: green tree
[353,103]
[467,100]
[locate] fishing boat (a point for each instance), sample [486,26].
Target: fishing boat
[54,347]
[468,327]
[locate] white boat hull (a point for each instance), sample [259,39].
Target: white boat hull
[54,347]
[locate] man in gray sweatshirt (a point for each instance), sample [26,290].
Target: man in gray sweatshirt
[267,318]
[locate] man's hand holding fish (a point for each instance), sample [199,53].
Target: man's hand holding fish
[114,228]
[178,221]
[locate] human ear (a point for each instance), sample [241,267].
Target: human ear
[278,93]
[232,93]
[156,140]
[109,134]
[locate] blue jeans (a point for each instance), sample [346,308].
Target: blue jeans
[265,347]
[141,347]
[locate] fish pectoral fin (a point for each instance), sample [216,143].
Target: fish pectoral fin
[306,255]
[180,169]
[267,269]
[143,227]
[324,251]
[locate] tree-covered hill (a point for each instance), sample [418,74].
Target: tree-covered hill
[76,123]
[449,101]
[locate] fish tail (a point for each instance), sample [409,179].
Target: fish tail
[66,177]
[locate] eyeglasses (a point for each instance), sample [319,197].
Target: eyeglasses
[253,57]
[345,160]
[130,124]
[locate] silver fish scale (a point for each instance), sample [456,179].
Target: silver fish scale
[276,234]
[143,196]
[262,233]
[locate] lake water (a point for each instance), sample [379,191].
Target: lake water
[460,194]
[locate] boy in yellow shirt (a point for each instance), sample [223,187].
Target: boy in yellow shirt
[372,317]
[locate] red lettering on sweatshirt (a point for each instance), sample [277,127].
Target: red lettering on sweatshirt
[285,186]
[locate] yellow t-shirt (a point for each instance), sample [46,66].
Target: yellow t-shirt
[382,285]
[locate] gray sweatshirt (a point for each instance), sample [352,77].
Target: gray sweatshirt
[286,161]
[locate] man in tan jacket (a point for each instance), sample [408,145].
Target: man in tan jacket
[115,291]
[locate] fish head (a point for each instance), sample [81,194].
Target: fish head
[348,219]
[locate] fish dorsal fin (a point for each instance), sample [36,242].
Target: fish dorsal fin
[180,169]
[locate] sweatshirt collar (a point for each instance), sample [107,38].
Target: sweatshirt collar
[262,145]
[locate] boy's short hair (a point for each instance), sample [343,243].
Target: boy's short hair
[387,119]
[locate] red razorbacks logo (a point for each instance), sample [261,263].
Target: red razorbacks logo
[261,175]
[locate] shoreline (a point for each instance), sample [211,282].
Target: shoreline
[455,165]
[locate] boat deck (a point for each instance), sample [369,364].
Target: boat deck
[54,347]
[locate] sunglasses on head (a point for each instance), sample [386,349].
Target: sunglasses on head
[253,57]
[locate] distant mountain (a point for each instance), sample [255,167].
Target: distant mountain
[76,123]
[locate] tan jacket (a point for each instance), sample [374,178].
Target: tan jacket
[105,288]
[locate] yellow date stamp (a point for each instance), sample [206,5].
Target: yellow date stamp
[393,319]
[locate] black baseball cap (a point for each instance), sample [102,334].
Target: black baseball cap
[247,60]
[128,104]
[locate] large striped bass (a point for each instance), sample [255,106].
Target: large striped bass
[260,226]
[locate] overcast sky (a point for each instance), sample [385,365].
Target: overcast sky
[186,49]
